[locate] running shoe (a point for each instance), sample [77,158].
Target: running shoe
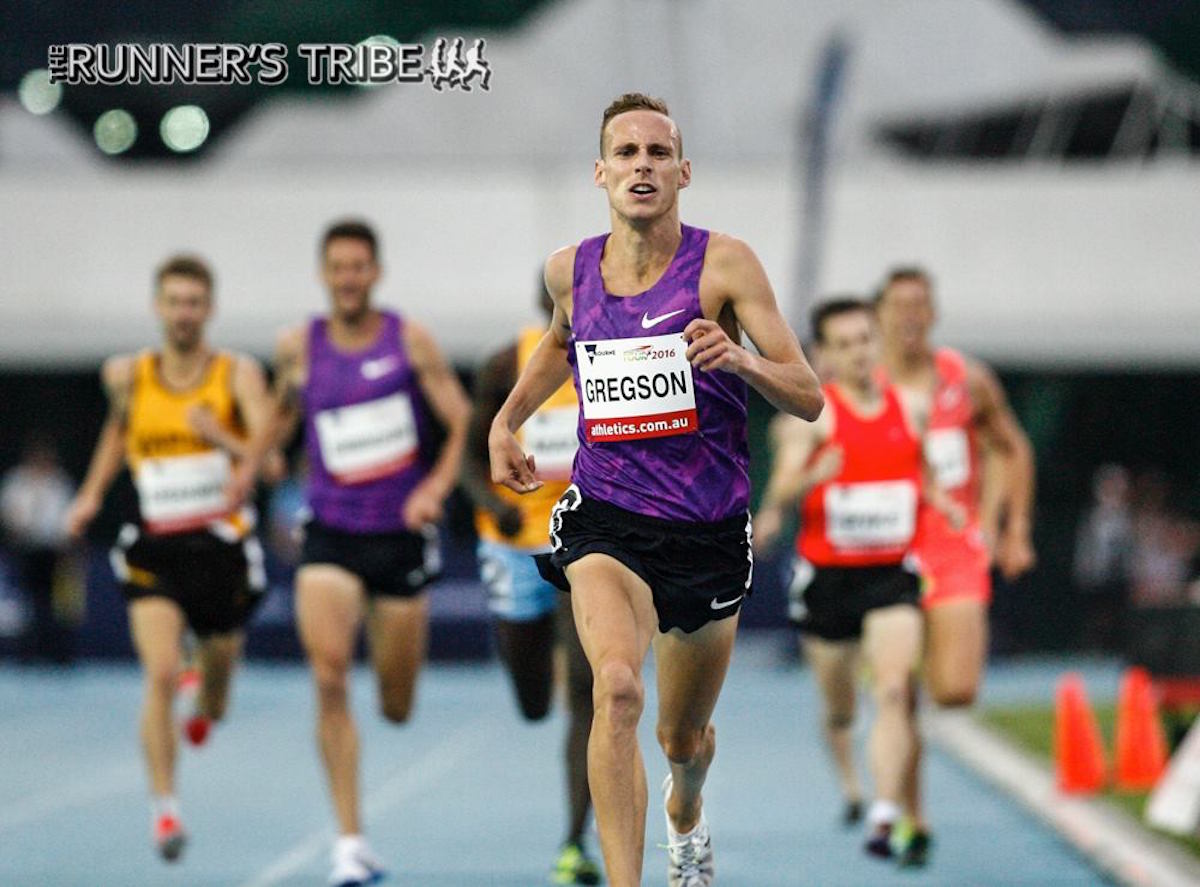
[852,813]
[574,866]
[358,867]
[914,851]
[689,857]
[169,837]
[879,844]
[196,729]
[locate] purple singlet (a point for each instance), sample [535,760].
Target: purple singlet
[656,437]
[364,418]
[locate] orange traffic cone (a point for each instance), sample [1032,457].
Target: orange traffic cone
[1141,743]
[1078,750]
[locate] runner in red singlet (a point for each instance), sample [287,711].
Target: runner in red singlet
[970,418]
[858,471]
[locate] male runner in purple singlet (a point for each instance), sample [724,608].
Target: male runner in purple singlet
[362,378]
[653,537]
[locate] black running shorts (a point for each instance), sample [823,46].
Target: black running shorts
[697,572]
[217,583]
[396,564]
[831,602]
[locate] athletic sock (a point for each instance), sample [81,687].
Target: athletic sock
[164,805]
[348,845]
[882,813]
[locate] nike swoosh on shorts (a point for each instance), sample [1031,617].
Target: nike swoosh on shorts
[648,321]
[721,605]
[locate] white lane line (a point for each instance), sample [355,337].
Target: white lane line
[89,788]
[1132,856]
[413,779]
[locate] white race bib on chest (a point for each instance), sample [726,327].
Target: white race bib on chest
[948,452]
[178,493]
[879,514]
[367,441]
[551,437]
[636,388]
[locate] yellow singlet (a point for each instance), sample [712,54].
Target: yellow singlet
[550,435]
[179,475]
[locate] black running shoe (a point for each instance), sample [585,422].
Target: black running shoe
[879,844]
[915,853]
[852,813]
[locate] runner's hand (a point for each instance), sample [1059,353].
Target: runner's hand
[767,524]
[710,348]
[509,520]
[81,513]
[952,511]
[827,466]
[423,507]
[239,486]
[204,423]
[1014,555]
[510,466]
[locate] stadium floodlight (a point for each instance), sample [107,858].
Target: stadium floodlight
[184,128]
[37,94]
[361,69]
[115,131]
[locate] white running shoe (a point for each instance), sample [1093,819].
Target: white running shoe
[689,857]
[354,865]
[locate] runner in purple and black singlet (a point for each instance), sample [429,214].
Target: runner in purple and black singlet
[652,538]
[362,378]
[641,474]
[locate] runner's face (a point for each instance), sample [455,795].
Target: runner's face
[906,314]
[349,272]
[851,347]
[183,304]
[641,168]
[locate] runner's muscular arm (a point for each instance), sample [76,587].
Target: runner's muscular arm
[779,372]
[492,385]
[793,441]
[257,408]
[545,373]
[109,455]
[917,408]
[446,397]
[280,413]
[1001,432]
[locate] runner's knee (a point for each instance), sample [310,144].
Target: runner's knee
[161,677]
[618,693]
[954,694]
[681,745]
[895,691]
[396,711]
[329,674]
[839,720]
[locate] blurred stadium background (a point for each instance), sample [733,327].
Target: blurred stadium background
[1040,157]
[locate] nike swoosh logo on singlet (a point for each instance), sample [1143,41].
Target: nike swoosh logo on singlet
[648,321]
[721,605]
[377,369]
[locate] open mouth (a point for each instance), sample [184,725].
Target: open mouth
[643,189]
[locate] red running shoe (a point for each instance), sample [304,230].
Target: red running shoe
[169,837]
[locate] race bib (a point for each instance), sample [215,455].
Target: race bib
[551,437]
[948,452]
[367,441]
[178,493]
[636,388]
[879,514]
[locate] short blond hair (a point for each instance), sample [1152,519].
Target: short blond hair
[635,101]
